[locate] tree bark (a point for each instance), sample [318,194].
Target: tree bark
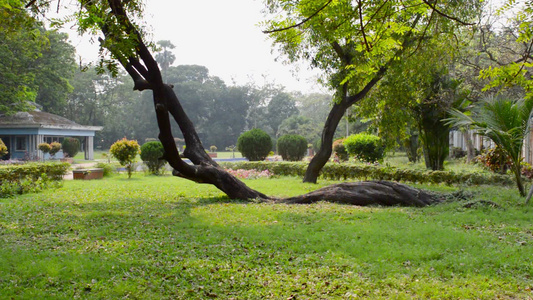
[365,193]
[323,154]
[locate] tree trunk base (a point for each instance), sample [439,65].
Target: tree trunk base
[365,193]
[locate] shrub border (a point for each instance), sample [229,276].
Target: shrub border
[337,171]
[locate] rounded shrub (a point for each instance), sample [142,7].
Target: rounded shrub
[340,150]
[3,148]
[44,147]
[151,154]
[125,151]
[71,146]
[365,147]
[54,148]
[292,147]
[495,160]
[254,144]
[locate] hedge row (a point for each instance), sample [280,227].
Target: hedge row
[338,171]
[31,177]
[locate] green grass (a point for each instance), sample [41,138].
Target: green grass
[221,154]
[167,238]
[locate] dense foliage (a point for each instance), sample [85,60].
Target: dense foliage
[495,160]
[35,64]
[365,147]
[54,148]
[254,144]
[506,122]
[340,150]
[152,155]
[44,147]
[31,177]
[70,146]
[125,151]
[3,148]
[292,147]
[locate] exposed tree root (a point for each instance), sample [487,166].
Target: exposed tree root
[365,193]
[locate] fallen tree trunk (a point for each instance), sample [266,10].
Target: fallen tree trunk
[365,193]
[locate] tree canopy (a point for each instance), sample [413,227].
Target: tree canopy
[36,64]
[355,43]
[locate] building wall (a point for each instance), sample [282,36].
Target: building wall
[27,140]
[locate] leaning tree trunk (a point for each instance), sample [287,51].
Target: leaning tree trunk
[324,153]
[335,115]
[145,72]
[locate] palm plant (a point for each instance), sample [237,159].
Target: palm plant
[505,122]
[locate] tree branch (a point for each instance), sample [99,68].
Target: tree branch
[300,23]
[381,72]
[446,15]
[359,7]
[30,3]
[118,10]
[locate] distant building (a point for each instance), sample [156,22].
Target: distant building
[458,139]
[23,131]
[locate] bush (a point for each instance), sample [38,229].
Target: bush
[32,177]
[54,148]
[340,150]
[125,152]
[254,144]
[3,148]
[151,154]
[365,147]
[495,160]
[71,146]
[292,147]
[44,147]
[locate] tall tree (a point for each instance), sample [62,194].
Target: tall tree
[413,98]
[164,57]
[279,108]
[54,69]
[21,43]
[513,60]
[35,64]
[355,43]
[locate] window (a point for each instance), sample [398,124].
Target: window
[20,143]
[51,139]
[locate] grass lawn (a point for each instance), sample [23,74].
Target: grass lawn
[167,238]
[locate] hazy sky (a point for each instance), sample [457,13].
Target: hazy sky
[221,35]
